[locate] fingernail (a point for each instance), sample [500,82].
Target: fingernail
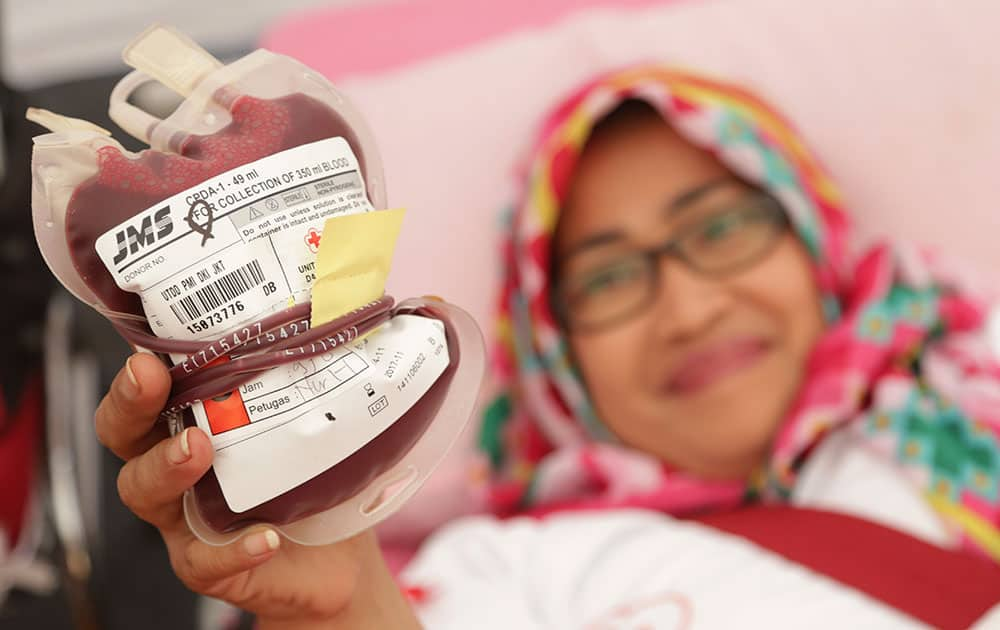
[179,450]
[262,542]
[130,386]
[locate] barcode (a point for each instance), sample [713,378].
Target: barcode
[222,291]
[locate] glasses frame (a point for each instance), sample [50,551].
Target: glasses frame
[674,247]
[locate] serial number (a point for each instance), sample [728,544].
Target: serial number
[214,319]
[414,368]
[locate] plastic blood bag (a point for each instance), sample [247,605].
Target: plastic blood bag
[327,403]
[125,186]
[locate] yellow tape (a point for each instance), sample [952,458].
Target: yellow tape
[354,257]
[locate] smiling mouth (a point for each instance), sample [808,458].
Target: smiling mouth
[705,368]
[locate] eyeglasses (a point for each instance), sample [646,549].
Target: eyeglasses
[605,285]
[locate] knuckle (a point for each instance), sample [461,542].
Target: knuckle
[188,562]
[201,569]
[132,490]
[102,423]
[109,422]
[181,562]
[126,486]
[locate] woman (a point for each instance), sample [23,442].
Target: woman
[683,331]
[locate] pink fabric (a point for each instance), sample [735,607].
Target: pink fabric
[392,34]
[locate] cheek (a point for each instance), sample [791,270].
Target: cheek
[609,362]
[783,290]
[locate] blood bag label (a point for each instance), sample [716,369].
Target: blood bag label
[237,247]
[302,418]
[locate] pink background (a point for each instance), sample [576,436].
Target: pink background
[370,38]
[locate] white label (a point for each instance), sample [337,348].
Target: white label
[239,246]
[326,408]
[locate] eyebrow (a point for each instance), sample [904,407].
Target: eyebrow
[689,197]
[594,240]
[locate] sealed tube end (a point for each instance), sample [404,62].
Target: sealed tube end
[57,122]
[171,58]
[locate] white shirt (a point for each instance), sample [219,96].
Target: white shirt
[634,569]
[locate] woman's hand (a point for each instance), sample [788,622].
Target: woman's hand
[287,585]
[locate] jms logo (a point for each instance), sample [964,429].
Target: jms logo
[132,238]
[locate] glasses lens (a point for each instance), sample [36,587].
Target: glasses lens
[733,238]
[603,292]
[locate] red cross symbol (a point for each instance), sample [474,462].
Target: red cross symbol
[312,240]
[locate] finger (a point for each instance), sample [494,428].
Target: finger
[203,567]
[126,420]
[152,484]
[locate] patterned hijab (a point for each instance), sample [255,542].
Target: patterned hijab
[904,362]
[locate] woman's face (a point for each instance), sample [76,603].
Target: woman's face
[702,374]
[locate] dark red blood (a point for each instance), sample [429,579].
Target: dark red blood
[125,186]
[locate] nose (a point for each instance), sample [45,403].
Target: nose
[688,303]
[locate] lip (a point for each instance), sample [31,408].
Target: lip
[703,368]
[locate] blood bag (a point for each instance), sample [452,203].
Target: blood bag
[207,249]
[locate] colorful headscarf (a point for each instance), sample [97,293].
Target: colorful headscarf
[904,361]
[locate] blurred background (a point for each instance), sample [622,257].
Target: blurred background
[49,42]
[899,97]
